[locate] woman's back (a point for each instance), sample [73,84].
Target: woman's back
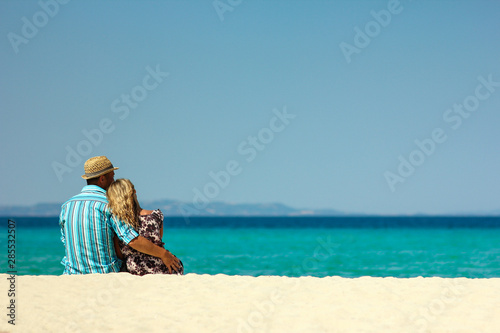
[150,227]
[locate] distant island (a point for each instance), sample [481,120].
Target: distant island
[215,208]
[178,208]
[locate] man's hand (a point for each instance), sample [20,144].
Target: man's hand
[171,261]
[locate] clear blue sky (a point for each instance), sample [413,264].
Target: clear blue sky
[359,87]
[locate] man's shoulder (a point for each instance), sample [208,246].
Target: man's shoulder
[90,192]
[93,189]
[94,196]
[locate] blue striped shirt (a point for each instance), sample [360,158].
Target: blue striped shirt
[87,230]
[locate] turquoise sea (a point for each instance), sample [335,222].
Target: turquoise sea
[297,246]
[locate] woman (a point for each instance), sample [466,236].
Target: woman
[148,223]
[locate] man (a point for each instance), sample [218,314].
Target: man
[87,227]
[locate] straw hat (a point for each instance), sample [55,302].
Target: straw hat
[97,166]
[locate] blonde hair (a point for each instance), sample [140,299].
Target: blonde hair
[123,202]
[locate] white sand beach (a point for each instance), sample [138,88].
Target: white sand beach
[219,303]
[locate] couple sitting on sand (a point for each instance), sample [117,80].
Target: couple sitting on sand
[104,229]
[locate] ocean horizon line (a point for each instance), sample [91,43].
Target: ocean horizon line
[300,222]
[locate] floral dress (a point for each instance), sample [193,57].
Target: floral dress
[139,263]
